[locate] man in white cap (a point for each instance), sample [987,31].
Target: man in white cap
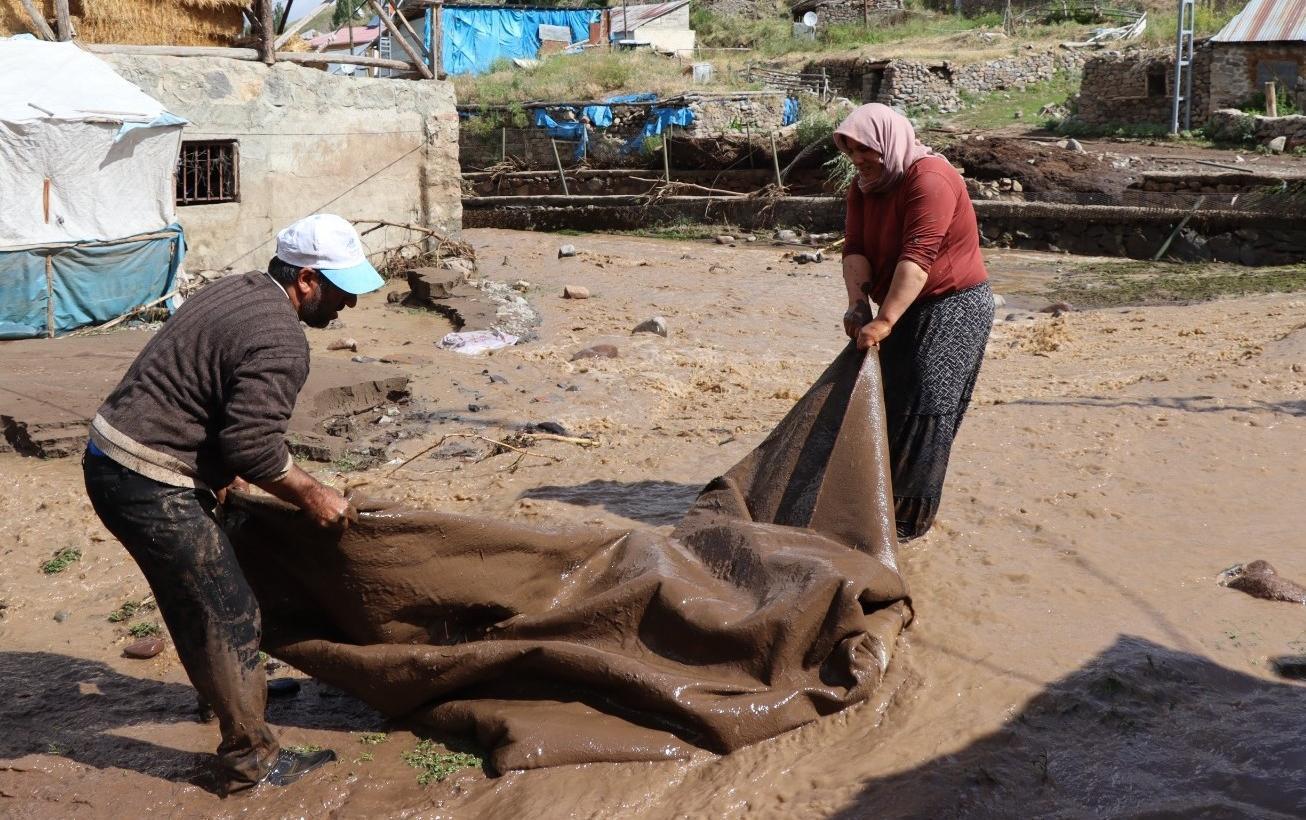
[205,404]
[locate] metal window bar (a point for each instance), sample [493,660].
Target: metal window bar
[208,172]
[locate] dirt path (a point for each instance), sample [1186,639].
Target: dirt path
[1072,655]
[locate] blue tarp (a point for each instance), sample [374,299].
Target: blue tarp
[473,38]
[791,111]
[92,282]
[659,119]
[568,130]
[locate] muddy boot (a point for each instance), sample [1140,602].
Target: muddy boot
[291,766]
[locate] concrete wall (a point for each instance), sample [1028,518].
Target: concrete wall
[1239,71]
[308,141]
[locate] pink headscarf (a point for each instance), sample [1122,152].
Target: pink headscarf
[882,129]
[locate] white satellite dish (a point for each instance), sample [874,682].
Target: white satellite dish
[809,19]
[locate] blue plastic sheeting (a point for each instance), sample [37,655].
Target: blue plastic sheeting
[600,115]
[621,99]
[659,119]
[569,130]
[791,111]
[92,282]
[473,38]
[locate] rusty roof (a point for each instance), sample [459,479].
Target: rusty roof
[1266,21]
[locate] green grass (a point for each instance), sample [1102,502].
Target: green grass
[1120,284]
[303,749]
[435,764]
[373,738]
[61,560]
[998,109]
[144,629]
[683,231]
[1163,25]
[773,36]
[129,609]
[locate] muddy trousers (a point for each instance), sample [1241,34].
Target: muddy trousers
[211,613]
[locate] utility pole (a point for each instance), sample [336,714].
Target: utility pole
[1183,67]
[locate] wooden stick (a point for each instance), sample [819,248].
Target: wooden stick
[62,20]
[267,52]
[40,27]
[403,18]
[397,35]
[477,436]
[286,36]
[775,159]
[299,57]
[45,200]
[558,159]
[666,155]
[680,184]
[437,40]
[285,15]
[1271,99]
[125,316]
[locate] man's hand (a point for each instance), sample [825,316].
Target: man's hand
[237,485]
[857,315]
[323,505]
[874,332]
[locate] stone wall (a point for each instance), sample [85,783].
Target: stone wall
[1136,87]
[939,85]
[1239,71]
[1233,126]
[847,12]
[308,141]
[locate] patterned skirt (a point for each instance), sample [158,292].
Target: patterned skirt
[930,363]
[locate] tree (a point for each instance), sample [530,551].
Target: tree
[347,11]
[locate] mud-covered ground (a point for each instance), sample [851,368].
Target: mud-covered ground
[1072,654]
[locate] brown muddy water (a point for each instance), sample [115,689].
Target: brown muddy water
[1072,653]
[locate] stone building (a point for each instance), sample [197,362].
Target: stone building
[1265,42]
[267,145]
[843,12]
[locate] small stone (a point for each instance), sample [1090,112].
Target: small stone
[1016,187]
[725,239]
[283,687]
[362,359]
[495,378]
[143,649]
[656,325]
[805,257]
[384,420]
[1072,144]
[566,250]
[521,286]
[786,236]
[458,265]
[394,297]
[1011,317]
[999,300]
[750,238]
[344,344]
[547,427]
[1017,115]
[476,408]
[575,292]
[1057,307]
[61,616]
[1277,145]
[603,351]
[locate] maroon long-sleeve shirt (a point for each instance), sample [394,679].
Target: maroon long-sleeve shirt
[928,219]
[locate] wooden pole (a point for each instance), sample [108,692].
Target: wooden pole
[267,32]
[299,57]
[1271,100]
[437,41]
[403,19]
[503,144]
[775,158]
[62,20]
[39,27]
[558,159]
[397,36]
[285,16]
[666,155]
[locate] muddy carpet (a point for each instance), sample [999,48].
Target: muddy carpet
[776,600]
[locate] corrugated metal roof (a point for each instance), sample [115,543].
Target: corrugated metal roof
[646,13]
[1266,21]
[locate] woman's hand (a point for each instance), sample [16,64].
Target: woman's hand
[858,314]
[874,332]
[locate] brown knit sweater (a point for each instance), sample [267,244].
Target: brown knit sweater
[210,396]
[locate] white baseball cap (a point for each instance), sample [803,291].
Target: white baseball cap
[328,243]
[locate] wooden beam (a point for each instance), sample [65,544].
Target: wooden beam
[409,28]
[324,58]
[289,33]
[397,36]
[437,38]
[62,20]
[39,27]
[285,15]
[299,57]
[267,32]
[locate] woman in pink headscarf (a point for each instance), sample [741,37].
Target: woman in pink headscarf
[912,248]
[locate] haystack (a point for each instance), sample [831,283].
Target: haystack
[139,22]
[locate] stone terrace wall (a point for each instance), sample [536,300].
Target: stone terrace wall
[848,12]
[1232,125]
[1135,87]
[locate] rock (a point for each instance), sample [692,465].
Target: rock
[725,239]
[394,297]
[1016,187]
[1277,145]
[656,325]
[476,408]
[144,649]
[495,378]
[362,359]
[786,236]
[547,427]
[344,344]
[283,687]
[603,351]
[1017,115]
[1072,144]
[521,286]
[566,250]
[575,292]
[999,300]
[428,284]
[458,265]
[808,256]
[61,616]
[1011,317]
[1057,307]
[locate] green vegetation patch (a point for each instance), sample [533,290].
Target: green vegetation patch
[435,764]
[373,738]
[144,629]
[305,749]
[999,109]
[1121,284]
[129,610]
[61,560]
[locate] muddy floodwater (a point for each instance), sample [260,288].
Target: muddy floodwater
[1072,654]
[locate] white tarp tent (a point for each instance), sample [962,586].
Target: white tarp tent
[87,199]
[84,154]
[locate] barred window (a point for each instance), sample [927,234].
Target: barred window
[208,171]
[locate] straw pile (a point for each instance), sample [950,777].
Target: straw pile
[139,22]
